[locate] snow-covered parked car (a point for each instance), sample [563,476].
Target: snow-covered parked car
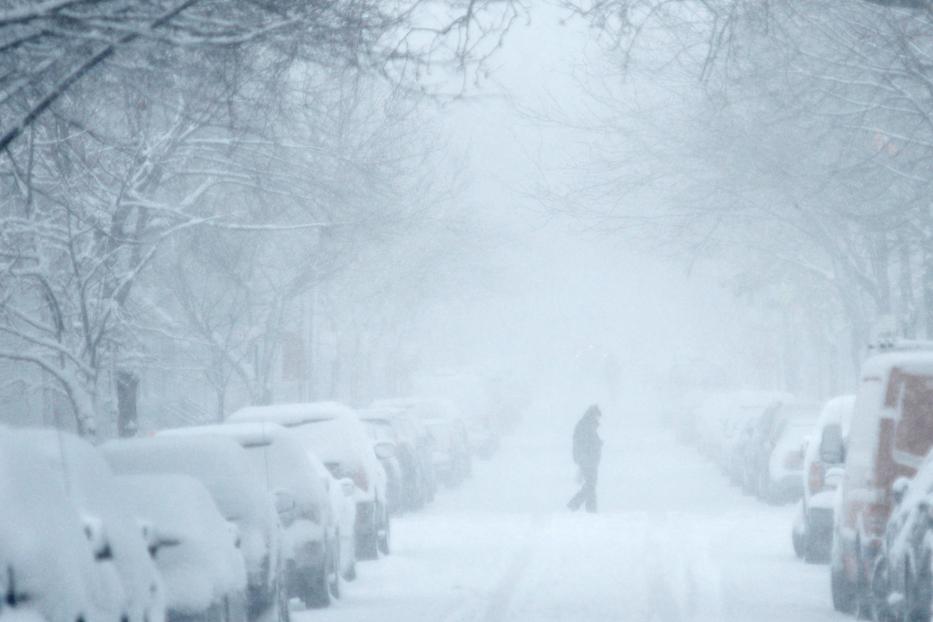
[823,468]
[46,563]
[299,483]
[198,556]
[450,451]
[737,432]
[334,433]
[773,450]
[90,485]
[889,437]
[413,438]
[726,424]
[225,470]
[784,481]
[902,576]
[380,430]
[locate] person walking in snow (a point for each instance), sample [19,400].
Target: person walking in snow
[587,451]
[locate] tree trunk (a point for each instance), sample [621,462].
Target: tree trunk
[928,287]
[127,397]
[926,276]
[221,403]
[879,260]
[908,310]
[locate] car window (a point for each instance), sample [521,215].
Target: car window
[914,432]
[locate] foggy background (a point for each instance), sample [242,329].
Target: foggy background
[673,202]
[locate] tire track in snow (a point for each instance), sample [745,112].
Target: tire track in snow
[683,582]
[497,606]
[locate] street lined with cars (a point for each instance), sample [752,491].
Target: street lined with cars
[859,468]
[241,521]
[317,510]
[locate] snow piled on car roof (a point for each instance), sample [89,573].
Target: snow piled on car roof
[218,463]
[292,414]
[247,433]
[918,362]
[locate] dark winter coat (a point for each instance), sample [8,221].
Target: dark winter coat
[587,446]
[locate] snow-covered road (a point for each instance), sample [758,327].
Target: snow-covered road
[673,542]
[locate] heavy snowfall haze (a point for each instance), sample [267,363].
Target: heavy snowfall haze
[486,311]
[558,285]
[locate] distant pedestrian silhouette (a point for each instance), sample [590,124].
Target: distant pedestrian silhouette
[587,451]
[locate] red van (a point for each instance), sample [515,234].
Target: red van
[892,431]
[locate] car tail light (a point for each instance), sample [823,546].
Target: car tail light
[360,479]
[793,460]
[816,477]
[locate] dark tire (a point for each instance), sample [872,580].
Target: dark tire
[863,597]
[815,550]
[385,535]
[843,591]
[350,574]
[917,594]
[880,590]
[367,544]
[334,579]
[317,589]
[282,613]
[798,540]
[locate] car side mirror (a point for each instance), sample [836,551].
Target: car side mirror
[899,489]
[97,537]
[155,539]
[385,450]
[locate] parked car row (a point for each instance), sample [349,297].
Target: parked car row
[862,468]
[757,439]
[230,522]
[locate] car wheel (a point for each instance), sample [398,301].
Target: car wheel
[334,582]
[917,588]
[863,596]
[367,543]
[843,590]
[815,549]
[317,588]
[350,574]
[798,539]
[880,591]
[385,534]
[283,613]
